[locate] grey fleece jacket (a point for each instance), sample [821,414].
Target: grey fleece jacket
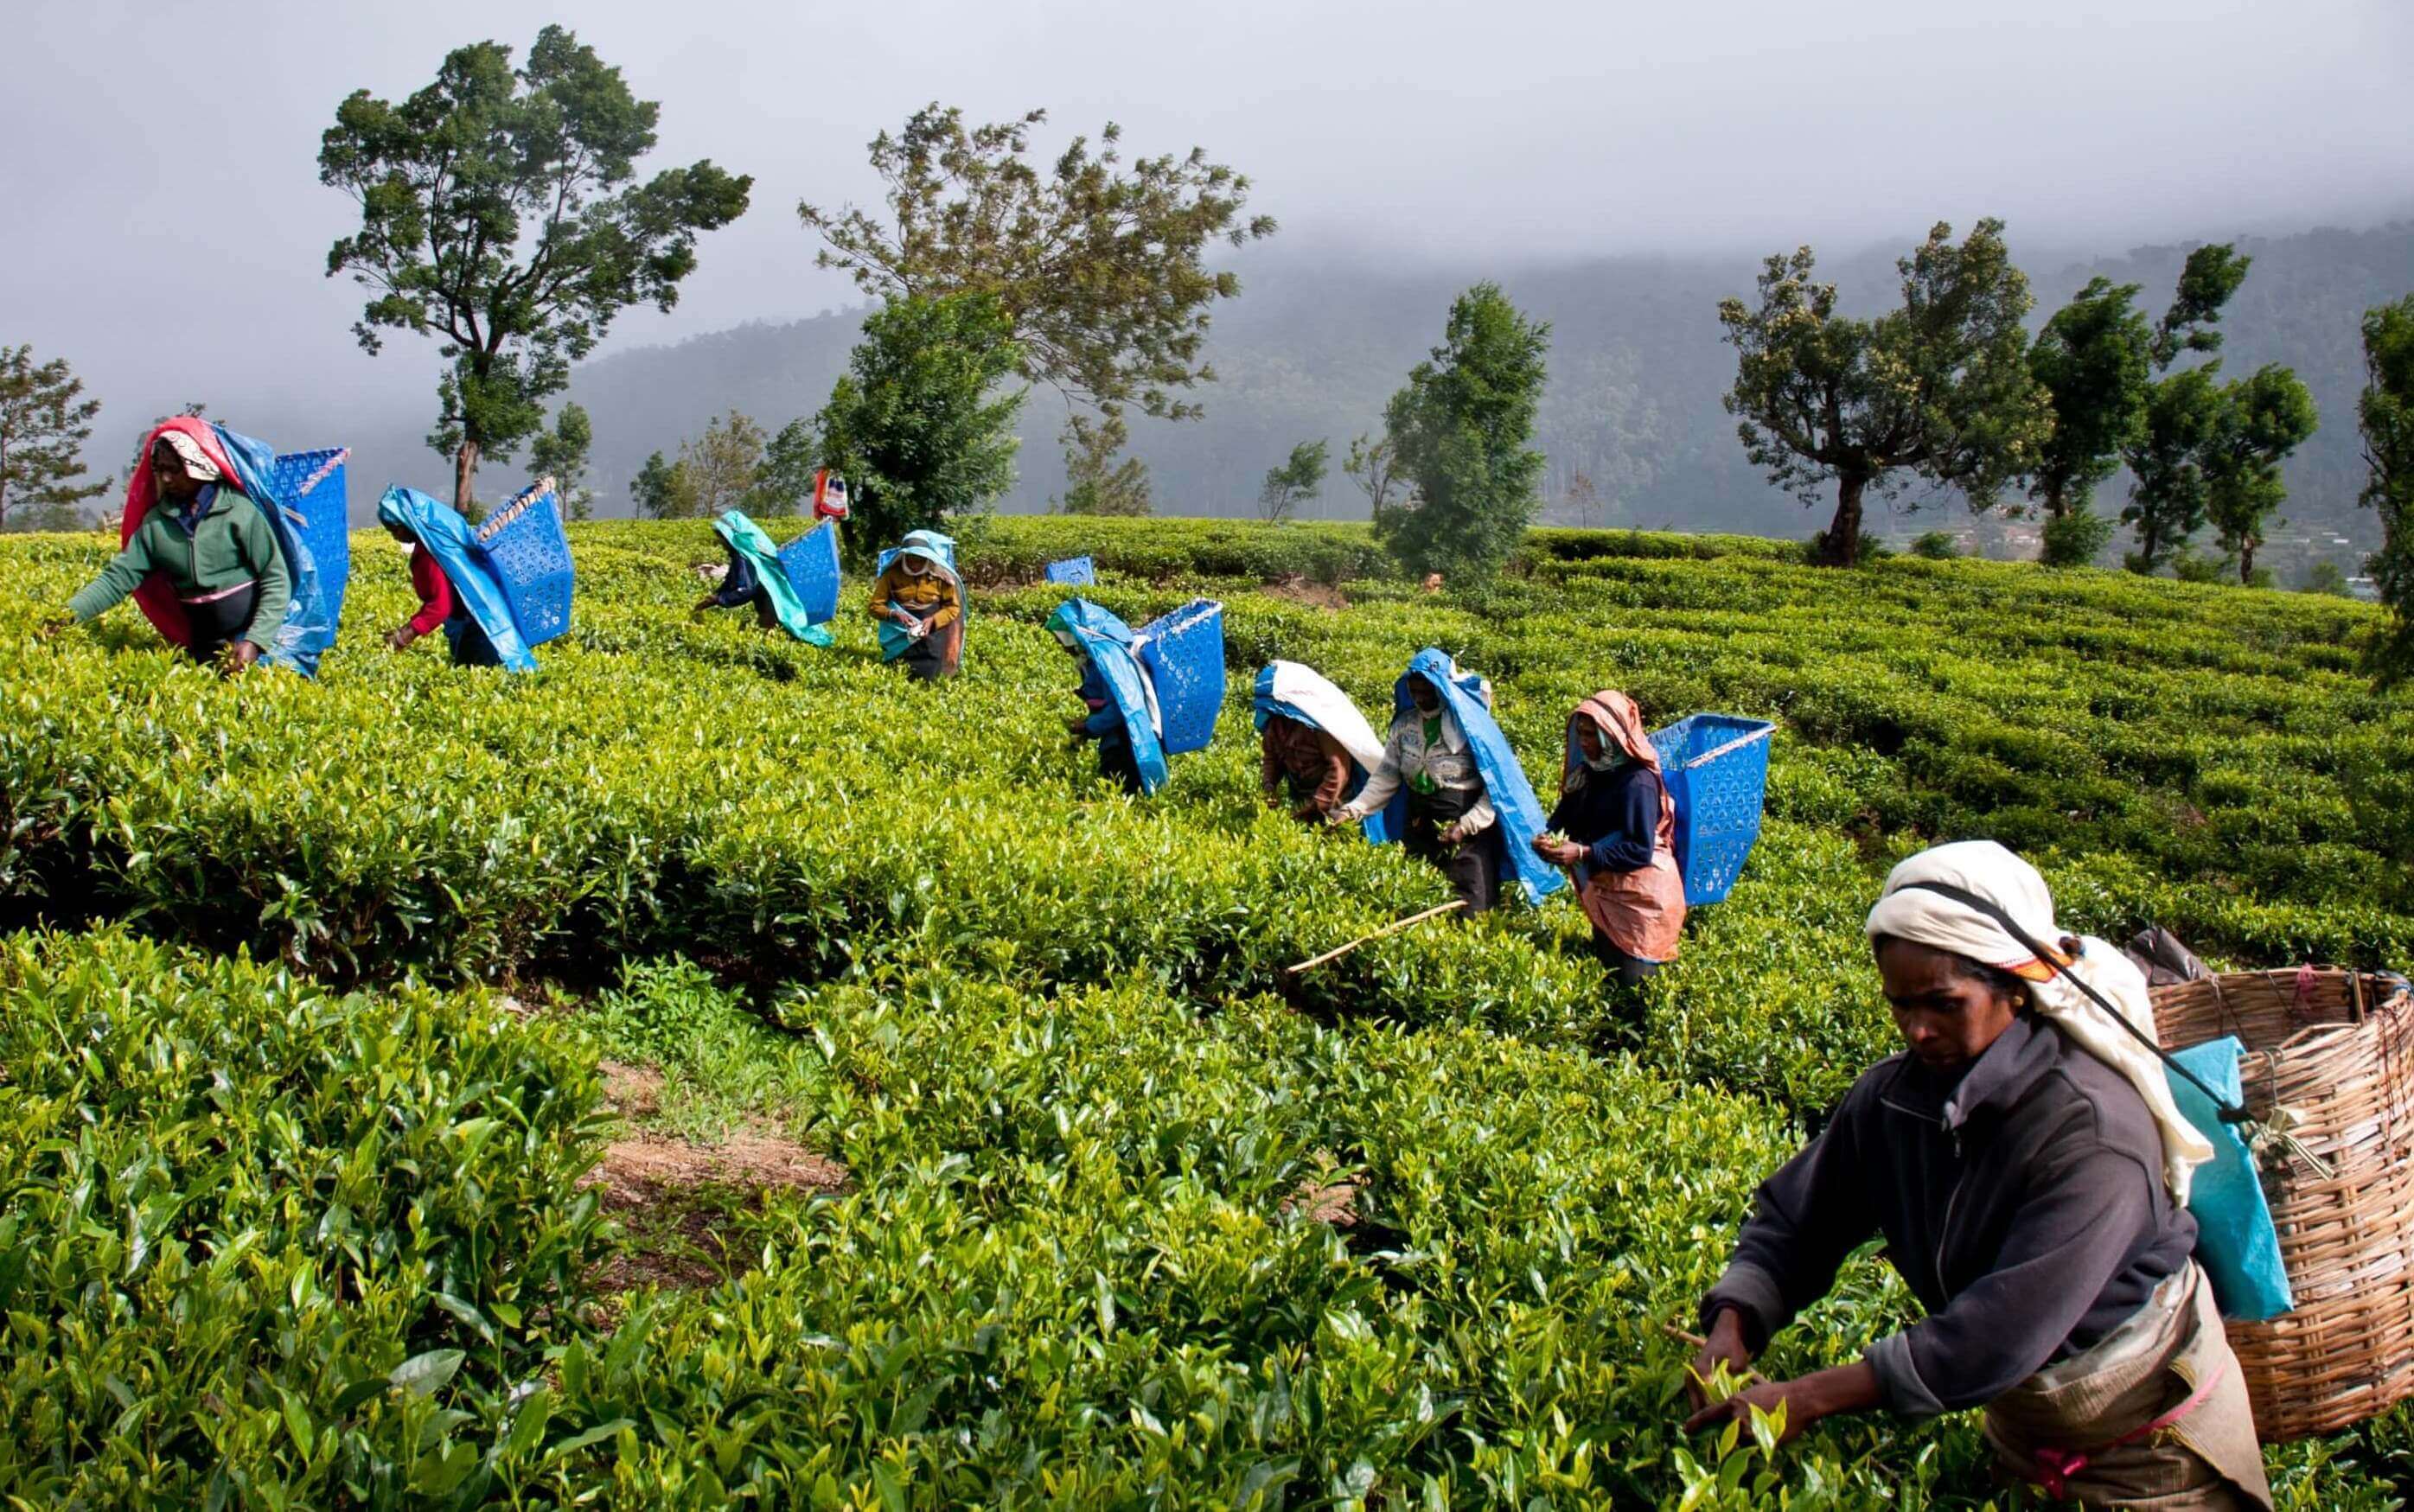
[2023,1204]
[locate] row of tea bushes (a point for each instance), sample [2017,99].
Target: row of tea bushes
[264,1245]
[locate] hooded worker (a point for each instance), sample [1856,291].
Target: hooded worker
[1621,829]
[757,577]
[2027,1167]
[1315,749]
[918,600]
[1115,695]
[209,561]
[1466,805]
[478,624]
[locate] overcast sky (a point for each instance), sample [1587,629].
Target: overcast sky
[168,232]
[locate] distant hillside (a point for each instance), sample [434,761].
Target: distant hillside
[1313,346]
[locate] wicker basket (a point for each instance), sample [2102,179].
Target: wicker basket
[2337,1048]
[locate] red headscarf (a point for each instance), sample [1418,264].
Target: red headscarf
[159,600]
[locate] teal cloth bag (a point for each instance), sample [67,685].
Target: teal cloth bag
[2235,1241]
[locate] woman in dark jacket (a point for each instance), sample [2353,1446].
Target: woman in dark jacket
[1621,837]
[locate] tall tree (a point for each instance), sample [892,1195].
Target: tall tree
[789,462]
[2168,496]
[2385,412]
[1098,265]
[1463,431]
[2095,362]
[1939,388]
[663,490]
[1299,479]
[1099,478]
[725,465]
[1374,469]
[919,424]
[500,213]
[2207,280]
[2263,419]
[44,421]
[562,454]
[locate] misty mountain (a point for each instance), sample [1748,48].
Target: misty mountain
[1316,343]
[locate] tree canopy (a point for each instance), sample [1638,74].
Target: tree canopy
[500,213]
[1098,264]
[1939,388]
[2264,417]
[918,423]
[562,454]
[2385,412]
[1298,478]
[2094,363]
[1461,435]
[44,421]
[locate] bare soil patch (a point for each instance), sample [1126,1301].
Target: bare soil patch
[1298,590]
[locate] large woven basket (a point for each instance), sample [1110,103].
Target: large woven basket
[2337,1049]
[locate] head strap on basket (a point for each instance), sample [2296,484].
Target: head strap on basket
[2230,1112]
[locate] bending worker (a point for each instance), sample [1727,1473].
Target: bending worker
[211,545]
[741,586]
[1315,749]
[427,580]
[1621,837]
[2027,1167]
[920,607]
[1451,819]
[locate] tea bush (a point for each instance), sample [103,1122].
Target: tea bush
[263,1245]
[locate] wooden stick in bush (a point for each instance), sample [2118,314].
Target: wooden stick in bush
[1391,929]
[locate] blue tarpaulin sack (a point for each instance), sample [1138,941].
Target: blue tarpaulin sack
[2235,1241]
[1504,781]
[1107,641]
[1073,571]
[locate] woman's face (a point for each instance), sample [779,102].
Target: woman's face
[1426,697]
[1947,1014]
[167,475]
[1588,739]
[916,566]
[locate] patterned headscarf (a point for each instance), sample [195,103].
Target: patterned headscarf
[198,466]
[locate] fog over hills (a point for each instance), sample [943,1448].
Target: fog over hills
[1316,343]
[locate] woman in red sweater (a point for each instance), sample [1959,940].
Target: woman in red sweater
[428,581]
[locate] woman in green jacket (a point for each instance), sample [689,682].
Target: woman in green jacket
[213,546]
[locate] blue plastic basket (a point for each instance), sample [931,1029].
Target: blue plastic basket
[1715,766]
[1183,653]
[310,488]
[528,552]
[812,563]
[1073,571]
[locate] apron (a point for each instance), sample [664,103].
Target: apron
[1474,865]
[2154,1416]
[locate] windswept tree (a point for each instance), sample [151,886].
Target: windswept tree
[562,454]
[1099,478]
[2095,362]
[1299,479]
[44,421]
[1939,388]
[922,421]
[2263,419]
[2168,495]
[1462,432]
[1374,469]
[500,213]
[1099,265]
[2385,412]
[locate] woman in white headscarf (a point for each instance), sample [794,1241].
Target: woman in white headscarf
[2025,1164]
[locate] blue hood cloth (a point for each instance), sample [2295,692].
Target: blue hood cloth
[1468,701]
[1107,641]
[941,550]
[747,539]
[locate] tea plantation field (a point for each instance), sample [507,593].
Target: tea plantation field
[715,1070]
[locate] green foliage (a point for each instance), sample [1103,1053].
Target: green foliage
[918,425]
[2169,495]
[2327,577]
[2386,414]
[1461,438]
[1939,388]
[1936,546]
[2094,363]
[2210,277]
[1098,267]
[785,484]
[264,1245]
[44,422]
[1297,480]
[2264,418]
[500,213]
[663,490]
[561,454]
[725,468]
[1096,483]
[2074,538]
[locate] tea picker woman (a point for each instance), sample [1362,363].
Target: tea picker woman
[1315,749]
[756,577]
[1620,825]
[919,603]
[429,582]
[211,545]
[2027,1167]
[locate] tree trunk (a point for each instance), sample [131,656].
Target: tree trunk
[465,479]
[2054,501]
[1842,545]
[2245,563]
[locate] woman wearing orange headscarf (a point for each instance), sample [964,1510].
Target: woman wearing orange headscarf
[1621,829]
